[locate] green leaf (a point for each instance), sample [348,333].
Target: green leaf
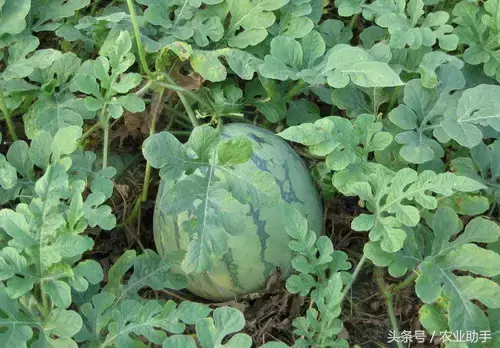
[8,174]
[483,165]
[250,20]
[295,224]
[225,321]
[363,222]
[15,323]
[87,84]
[436,271]
[49,13]
[301,111]
[293,20]
[85,273]
[189,22]
[234,151]
[96,317]
[51,113]
[126,83]
[54,182]
[288,57]
[17,155]
[344,63]
[477,106]
[164,151]
[179,341]
[339,140]
[423,110]
[334,32]
[477,29]
[402,188]
[208,65]
[315,258]
[347,8]
[404,31]
[300,284]
[83,164]
[322,324]
[362,69]
[98,214]
[354,99]
[150,319]
[66,141]
[60,294]
[224,100]
[150,270]
[430,63]
[191,312]
[19,66]
[12,18]
[203,140]
[433,318]
[41,149]
[65,68]
[131,102]
[117,47]
[371,35]
[63,323]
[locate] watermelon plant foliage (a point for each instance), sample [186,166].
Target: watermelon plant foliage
[393,102]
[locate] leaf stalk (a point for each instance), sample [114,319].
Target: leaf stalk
[389,300]
[6,113]
[180,92]
[155,111]
[354,276]
[138,40]
[299,87]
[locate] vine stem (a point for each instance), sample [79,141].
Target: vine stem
[104,122]
[106,143]
[492,209]
[94,8]
[354,276]
[353,21]
[404,284]
[180,92]
[6,113]
[394,98]
[189,110]
[90,131]
[45,304]
[155,108]
[389,300]
[181,133]
[138,40]
[178,89]
[295,90]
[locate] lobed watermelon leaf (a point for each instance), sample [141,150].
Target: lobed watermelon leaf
[461,254]
[388,195]
[320,275]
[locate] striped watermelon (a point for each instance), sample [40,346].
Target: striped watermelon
[263,246]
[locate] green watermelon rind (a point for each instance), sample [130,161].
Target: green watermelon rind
[245,269]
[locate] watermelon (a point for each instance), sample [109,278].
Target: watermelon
[258,243]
